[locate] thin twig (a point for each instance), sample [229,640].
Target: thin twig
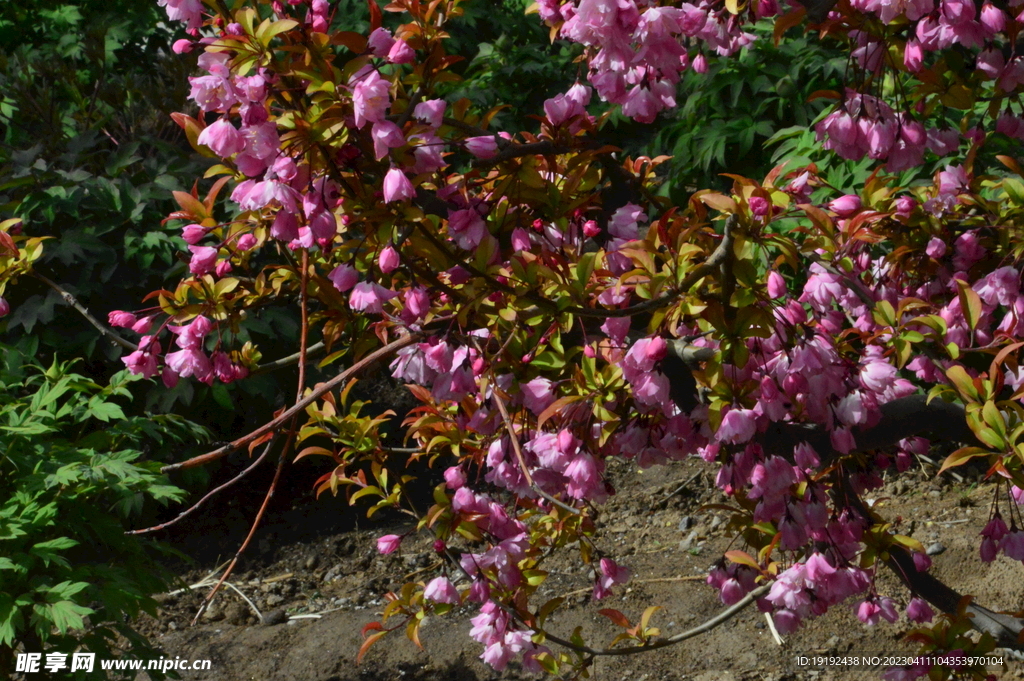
[311,351]
[712,623]
[688,578]
[73,302]
[517,449]
[221,488]
[303,337]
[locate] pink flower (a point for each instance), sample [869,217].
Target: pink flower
[805,456]
[380,42]
[188,11]
[467,228]
[121,319]
[584,477]
[370,297]
[738,426]
[454,477]
[389,543]
[397,186]
[344,277]
[430,112]
[483,147]
[203,259]
[868,612]
[786,621]
[386,135]
[609,573]
[388,259]
[905,205]
[223,138]
[441,590]
[370,98]
[190,362]
[417,302]
[732,592]
[936,248]
[877,375]
[1013,544]
[913,55]
[918,610]
[842,439]
[537,395]
[143,325]
[521,240]
[183,46]
[143,360]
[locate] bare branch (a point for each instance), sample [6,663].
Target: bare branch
[716,621]
[195,507]
[73,302]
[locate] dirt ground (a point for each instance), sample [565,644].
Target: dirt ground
[315,575]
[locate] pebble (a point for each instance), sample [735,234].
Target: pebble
[687,543]
[935,549]
[686,523]
[273,617]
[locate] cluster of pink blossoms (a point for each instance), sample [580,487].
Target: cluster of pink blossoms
[639,50]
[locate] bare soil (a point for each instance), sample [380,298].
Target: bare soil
[319,558]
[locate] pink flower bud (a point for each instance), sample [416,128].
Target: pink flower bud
[388,260]
[913,56]
[845,206]
[397,186]
[905,205]
[454,477]
[389,543]
[776,285]
[183,46]
[121,319]
[483,147]
[918,610]
[5,307]
[193,234]
[401,53]
[223,268]
[700,63]
[246,242]
[143,325]
[591,229]
[759,205]
[520,239]
[203,259]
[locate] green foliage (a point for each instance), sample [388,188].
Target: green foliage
[71,475]
[511,62]
[726,115]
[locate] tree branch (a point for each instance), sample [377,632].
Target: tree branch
[73,302]
[717,620]
[221,452]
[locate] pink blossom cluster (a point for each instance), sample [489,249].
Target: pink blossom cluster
[190,360]
[503,641]
[998,538]
[638,48]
